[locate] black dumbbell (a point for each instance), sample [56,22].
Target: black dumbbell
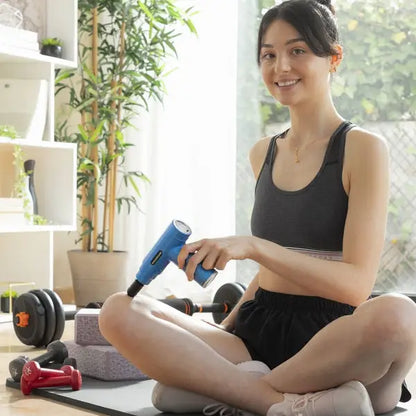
[56,352]
[39,317]
[224,301]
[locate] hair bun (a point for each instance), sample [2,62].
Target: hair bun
[327,3]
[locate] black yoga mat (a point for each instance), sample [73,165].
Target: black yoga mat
[132,398]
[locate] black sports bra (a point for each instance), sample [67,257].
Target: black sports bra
[311,218]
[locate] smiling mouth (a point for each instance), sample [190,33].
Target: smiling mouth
[287,83]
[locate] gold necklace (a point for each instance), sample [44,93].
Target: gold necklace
[297,149]
[297,160]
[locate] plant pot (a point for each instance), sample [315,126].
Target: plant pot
[5,307]
[51,50]
[97,275]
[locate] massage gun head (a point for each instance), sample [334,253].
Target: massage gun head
[164,251]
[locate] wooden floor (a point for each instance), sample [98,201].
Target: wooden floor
[13,403]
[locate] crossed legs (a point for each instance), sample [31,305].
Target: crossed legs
[181,351]
[376,345]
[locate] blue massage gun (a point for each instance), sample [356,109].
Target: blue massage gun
[165,250]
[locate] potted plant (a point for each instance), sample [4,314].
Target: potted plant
[51,47]
[5,300]
[122,49]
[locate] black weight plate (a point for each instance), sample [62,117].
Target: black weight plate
[59,313]
[29,304]
[50,316]
[229,293]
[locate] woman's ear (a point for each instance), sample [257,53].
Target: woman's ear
[336,58]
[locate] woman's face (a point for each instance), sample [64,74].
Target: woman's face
[291,71]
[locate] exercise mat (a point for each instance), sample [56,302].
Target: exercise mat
[132,398]
[114,398]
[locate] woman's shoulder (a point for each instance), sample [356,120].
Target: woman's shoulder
[260,147]
[361,138]
[258,153]
[364,148]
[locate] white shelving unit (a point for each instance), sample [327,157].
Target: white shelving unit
[26,252]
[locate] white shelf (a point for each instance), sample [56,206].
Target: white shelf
[26,251]
[37,228]
[23,56]
[42,144]
[60,22]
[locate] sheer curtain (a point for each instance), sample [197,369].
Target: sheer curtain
[187,148]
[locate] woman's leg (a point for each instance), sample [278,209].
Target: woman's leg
[184,352]
[376,345]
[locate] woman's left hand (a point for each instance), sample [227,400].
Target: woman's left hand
[214,253]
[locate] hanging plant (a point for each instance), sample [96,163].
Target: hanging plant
[7,131]
[19,187]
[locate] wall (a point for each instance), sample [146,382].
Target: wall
[33,14]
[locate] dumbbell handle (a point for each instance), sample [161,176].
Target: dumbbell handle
[186,306]
[51,353]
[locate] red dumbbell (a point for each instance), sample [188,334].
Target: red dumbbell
[32,371]
[74,380]
[67,369]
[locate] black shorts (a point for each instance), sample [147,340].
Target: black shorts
[275,326]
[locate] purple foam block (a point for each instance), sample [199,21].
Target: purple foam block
[103,362]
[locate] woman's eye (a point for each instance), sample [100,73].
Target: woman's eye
[267,56]
[298,51]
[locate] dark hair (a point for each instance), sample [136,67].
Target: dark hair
[313,19]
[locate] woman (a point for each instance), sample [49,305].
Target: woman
[318,228]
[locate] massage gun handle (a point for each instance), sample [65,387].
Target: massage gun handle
[202,276]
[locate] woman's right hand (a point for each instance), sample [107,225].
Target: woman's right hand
[214,253]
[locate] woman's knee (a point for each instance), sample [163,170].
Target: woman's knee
[118,312]
[389,319]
